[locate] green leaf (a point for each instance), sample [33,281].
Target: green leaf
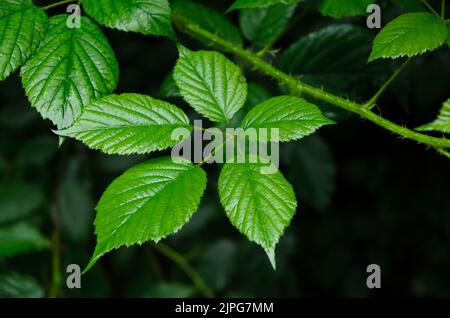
[170,290]
[75,203]
[148,17]
[14,204]
[218,264]
[347,8]
[37,151]
[442,123]
[334,57]
[256,94]
[410,34]
[410,5]
[310,166]
[71,68]
[22,26]
[15,285]
[294,117]
[212,84]
[259,205]
[262,26]
[20,239]
[448,38]
[169,88]
[128,124]
[207,19]
[148,202]
[252,4]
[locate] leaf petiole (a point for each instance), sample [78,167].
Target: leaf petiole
[371,103]
[425,2]
[56,4]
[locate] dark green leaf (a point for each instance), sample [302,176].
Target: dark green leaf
[262,26]
[310,167]
[252,4]
[339,9]
[15,285]
[75,203]
[18,200]
[169,88]
[21,239]
[207,19]
[334,57]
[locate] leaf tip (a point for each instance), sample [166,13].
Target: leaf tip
[271,255]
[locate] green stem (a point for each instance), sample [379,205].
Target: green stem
[178,259]
[56,265]
[443,152]
[443,9]
[425,2]
[217,149]
[194,30]
[56,4]
[371,103]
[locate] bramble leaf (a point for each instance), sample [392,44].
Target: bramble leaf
[207,19]
[257,93]
[169,88]
[448,38]
[347,8]
[22,26]
[13,203]
[148,202]
[15,285]
[148,17]
[323,58]
[71,68]
[259,205]
[212,84]
[263,25]
[410,34]
[310,166]
[410,5]
[19,239]
[442,123]
[128,124]
[294,117]
[252,4]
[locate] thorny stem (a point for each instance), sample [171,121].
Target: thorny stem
[443,152]
[179,259]
[56,4]
[371,103]
[259,64]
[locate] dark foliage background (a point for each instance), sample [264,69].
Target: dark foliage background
[364,197]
